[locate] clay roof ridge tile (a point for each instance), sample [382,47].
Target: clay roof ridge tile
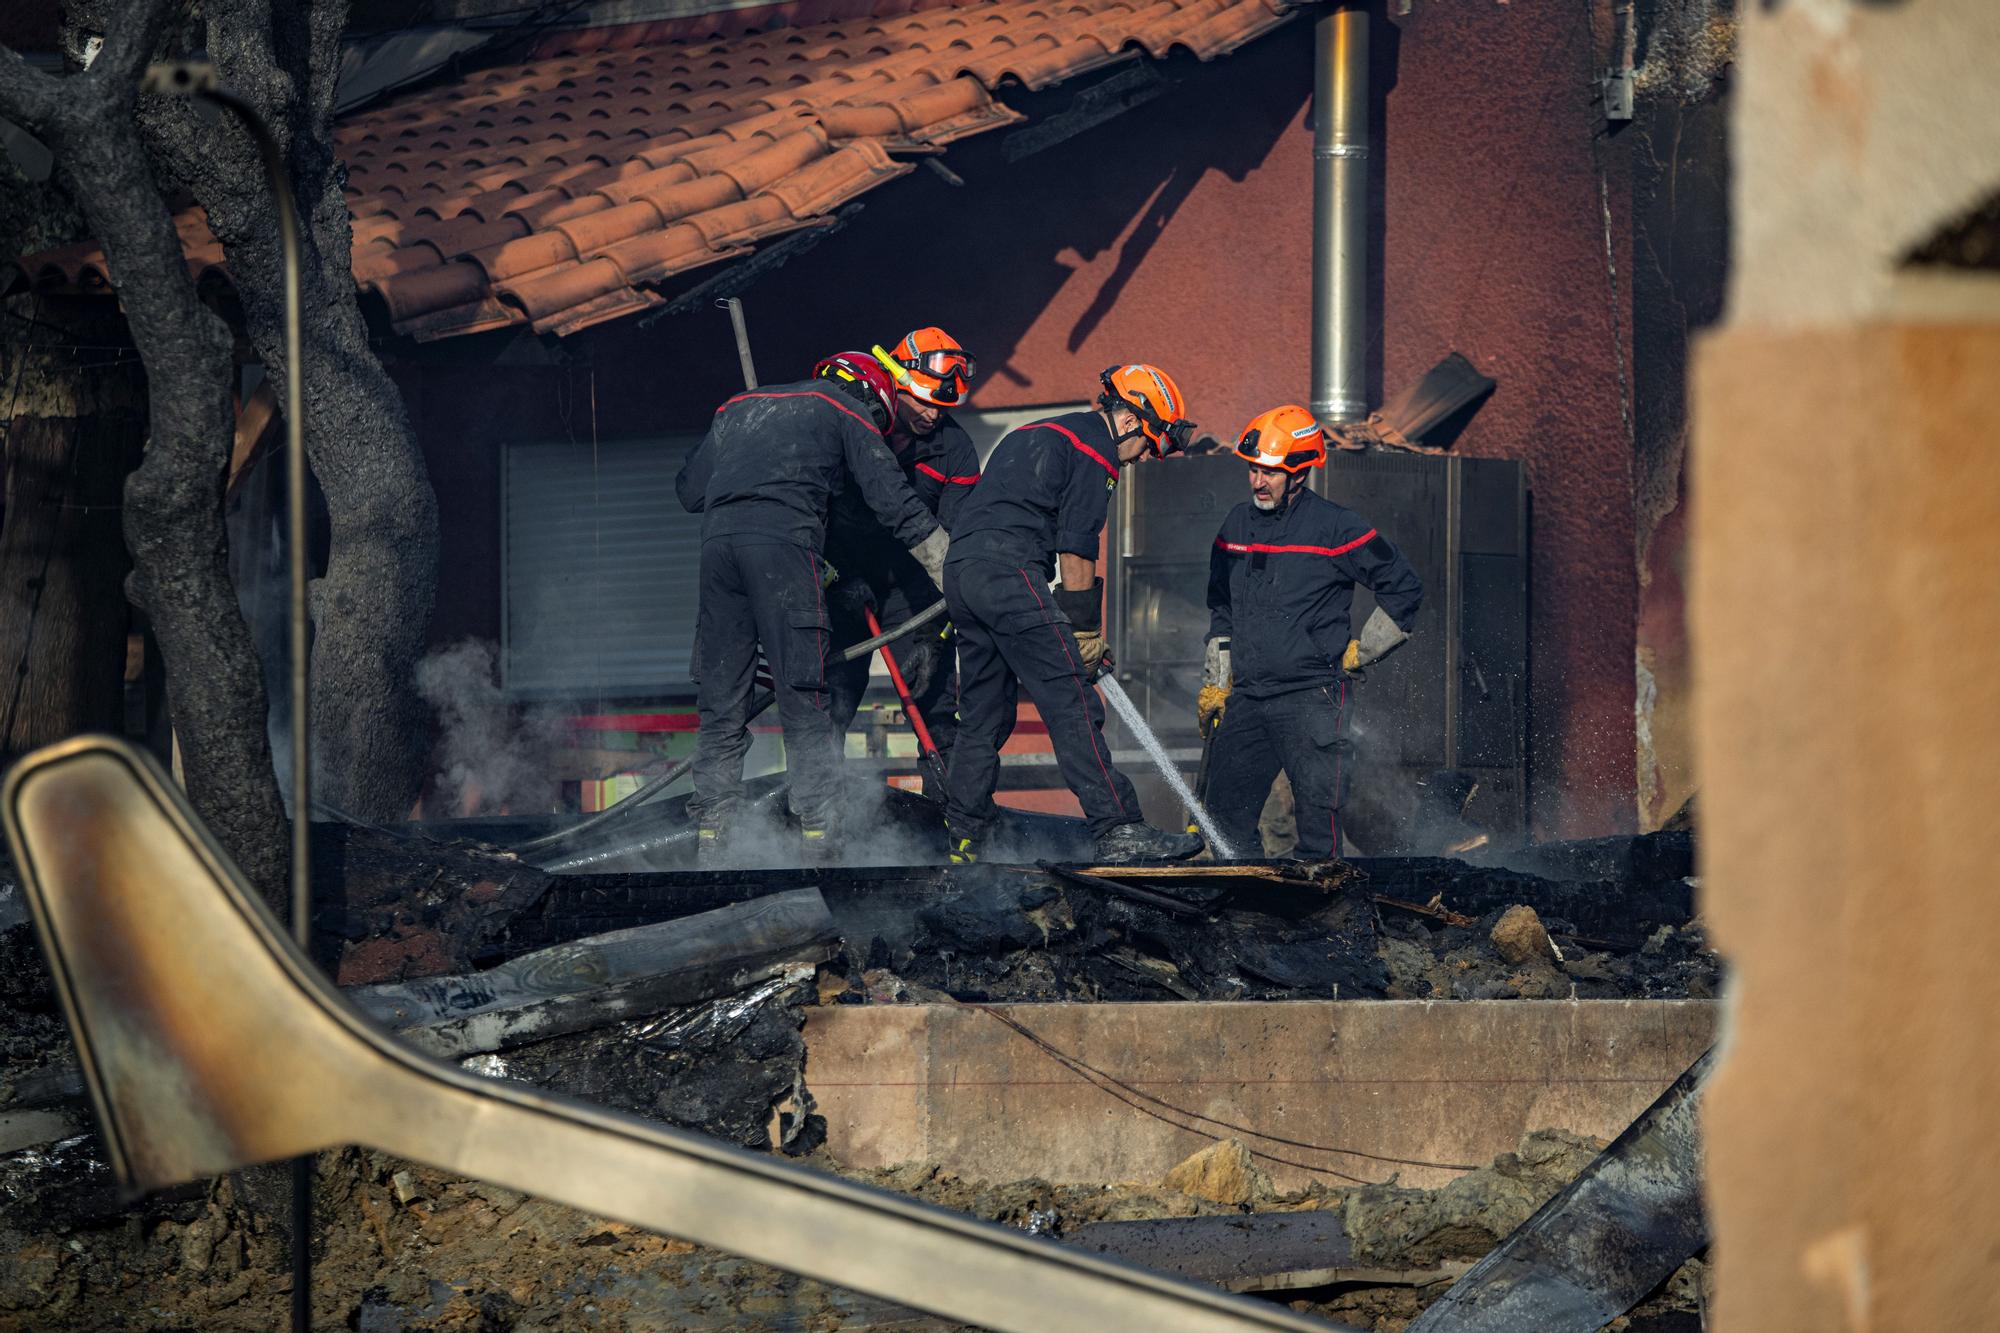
[825,184]
[662,254]
[695,195]
[744,222]
[593,231]
[524,255]
[777,159]
[555,289]
[408,295]
[646,182]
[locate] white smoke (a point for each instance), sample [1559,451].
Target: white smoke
[492,754]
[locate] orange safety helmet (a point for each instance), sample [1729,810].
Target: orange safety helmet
[1288,438]
[940,371]
[1151,396]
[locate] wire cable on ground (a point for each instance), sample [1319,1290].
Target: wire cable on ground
[1093,1074]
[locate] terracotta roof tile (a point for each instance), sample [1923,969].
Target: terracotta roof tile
[556,191]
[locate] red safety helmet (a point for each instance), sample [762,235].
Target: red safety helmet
[862,372]
[1151,396]
[1288,438]
[940,371]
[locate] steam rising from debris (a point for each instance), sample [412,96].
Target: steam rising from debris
[492,756]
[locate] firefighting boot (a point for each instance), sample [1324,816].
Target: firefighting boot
[711,838]
[1142,842]
[822,847]
[963,851]
[708,848]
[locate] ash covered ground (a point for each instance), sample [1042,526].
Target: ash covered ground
[400,1247]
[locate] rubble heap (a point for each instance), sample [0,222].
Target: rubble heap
[405,1249]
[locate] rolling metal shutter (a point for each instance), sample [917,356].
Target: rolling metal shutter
[599,579]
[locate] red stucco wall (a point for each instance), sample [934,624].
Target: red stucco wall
[1492,242]
[1180,233]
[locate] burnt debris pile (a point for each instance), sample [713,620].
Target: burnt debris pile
[1610,919]
[1054,934]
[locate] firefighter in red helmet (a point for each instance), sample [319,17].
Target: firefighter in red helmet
[762,480]
[934,374]
[1281,664]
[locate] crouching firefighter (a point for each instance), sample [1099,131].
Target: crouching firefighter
[1280,658]
[762,479]
[1040,504]
[940,462]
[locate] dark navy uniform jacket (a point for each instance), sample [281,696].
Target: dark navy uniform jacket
[774,456]
[1046,489]
[940,468]
[1281,588]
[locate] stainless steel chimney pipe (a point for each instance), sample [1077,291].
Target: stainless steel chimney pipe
[1340,214]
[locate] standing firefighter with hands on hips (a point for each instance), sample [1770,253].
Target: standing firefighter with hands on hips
[939,461]
[1040,504]
[1280,658]
[762,479]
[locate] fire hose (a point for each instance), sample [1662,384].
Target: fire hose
[656,786]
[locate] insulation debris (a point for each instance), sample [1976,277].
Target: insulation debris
[722,1067]
[606,978]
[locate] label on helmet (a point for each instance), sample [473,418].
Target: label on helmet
[1306,432]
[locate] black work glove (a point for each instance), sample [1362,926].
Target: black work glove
[1085,610]
[849,598]
[917,657]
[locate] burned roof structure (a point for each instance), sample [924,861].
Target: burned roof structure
[560,191]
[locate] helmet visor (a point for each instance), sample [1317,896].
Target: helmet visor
[1174,439]
[951,368]
[944,363]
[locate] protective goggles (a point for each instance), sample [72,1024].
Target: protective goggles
[952,368]
[1250,449]
[1177,435]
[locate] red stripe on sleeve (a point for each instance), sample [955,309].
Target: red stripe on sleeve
[1260,548]
[1071,437]
[936,475]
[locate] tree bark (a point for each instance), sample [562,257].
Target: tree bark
[173,518]
[74,432]
[371,610]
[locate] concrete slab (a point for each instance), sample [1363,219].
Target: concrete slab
[1121,1090]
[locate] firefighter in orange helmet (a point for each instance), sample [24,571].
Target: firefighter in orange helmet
[1280,658]
[933,374]
[1041,504]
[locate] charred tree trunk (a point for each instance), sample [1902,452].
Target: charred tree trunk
[371,610]
[74,431]
[173,517]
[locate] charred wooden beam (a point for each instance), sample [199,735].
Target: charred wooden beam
[607,978]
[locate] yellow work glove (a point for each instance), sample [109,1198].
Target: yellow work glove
[1350,660]
[1208,705]
[1090,650]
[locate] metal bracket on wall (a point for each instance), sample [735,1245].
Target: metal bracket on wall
[1614,85]
[1090,108]
[738,278]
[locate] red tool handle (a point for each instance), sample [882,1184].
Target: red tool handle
[902,690]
